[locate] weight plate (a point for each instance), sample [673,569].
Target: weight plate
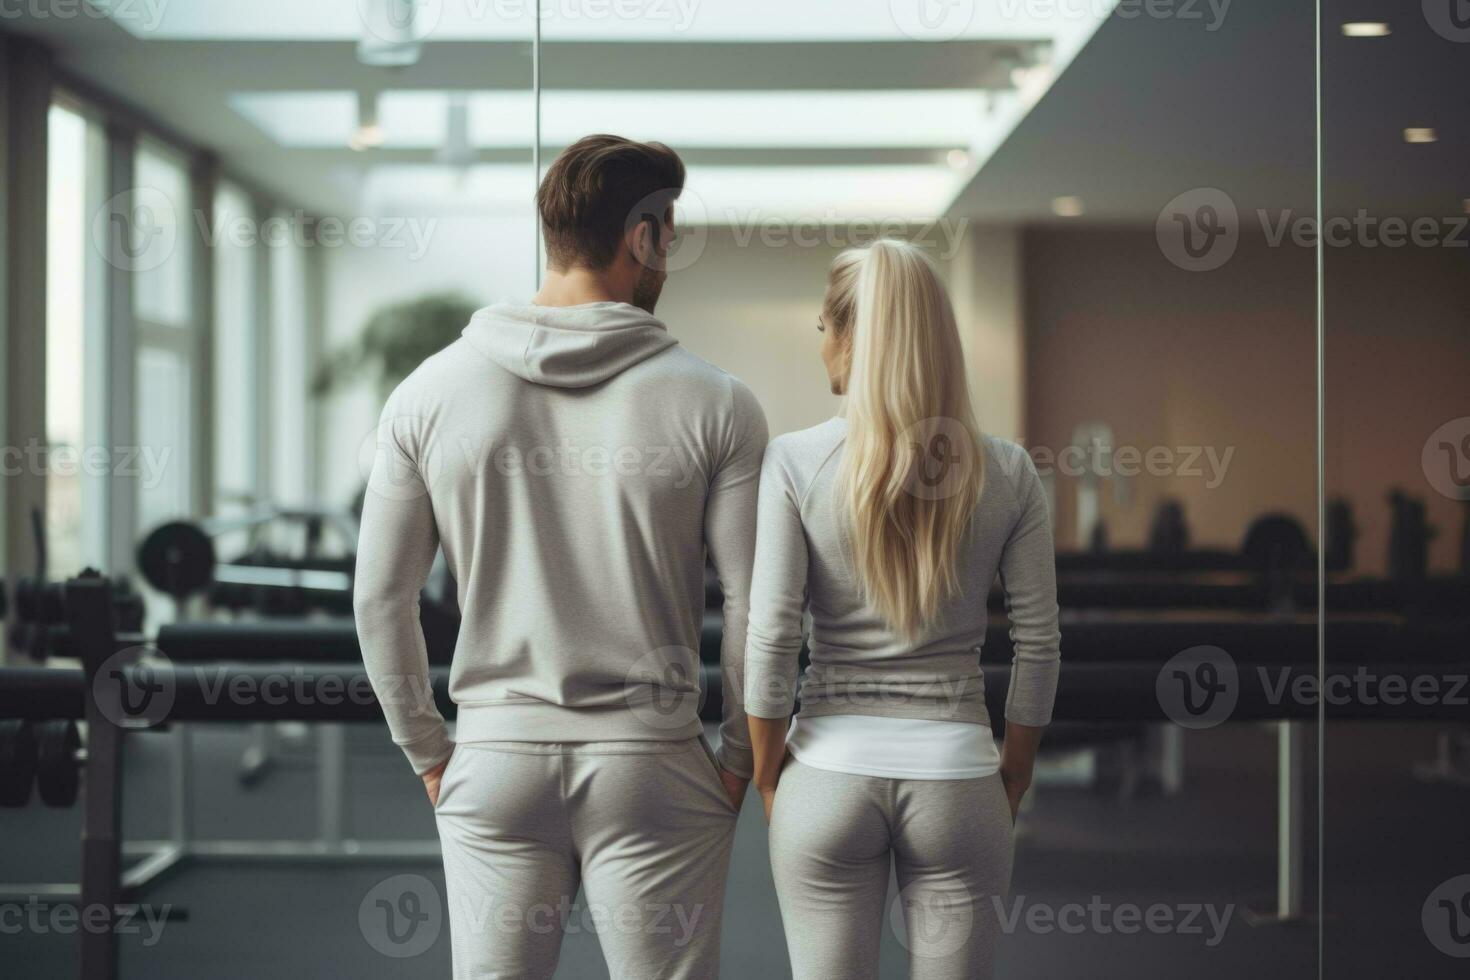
[58,771]
[17,761]
[177,558]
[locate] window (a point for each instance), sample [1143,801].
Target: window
[237,343]
[76,468]
[163,240]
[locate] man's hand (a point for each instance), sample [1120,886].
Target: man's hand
[734,787]
[432,779]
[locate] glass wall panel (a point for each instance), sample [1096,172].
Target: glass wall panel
[1396,342]
[1102,187]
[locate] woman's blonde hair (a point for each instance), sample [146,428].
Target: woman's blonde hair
[914,467]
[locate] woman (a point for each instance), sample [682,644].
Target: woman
[889,525]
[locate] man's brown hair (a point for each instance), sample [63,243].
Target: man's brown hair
[597,189]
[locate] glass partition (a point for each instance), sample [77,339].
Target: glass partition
[1396,437]
[1208,266]
[1114,198]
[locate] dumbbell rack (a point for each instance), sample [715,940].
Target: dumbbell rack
[331,843]
[106,883]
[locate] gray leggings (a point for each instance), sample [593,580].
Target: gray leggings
[832,835]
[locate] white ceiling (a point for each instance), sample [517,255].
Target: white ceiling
[820,109]
[606,20]
[812,108]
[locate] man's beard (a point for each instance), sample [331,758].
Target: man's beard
[646,292]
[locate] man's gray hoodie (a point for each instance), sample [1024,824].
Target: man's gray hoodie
[575,463]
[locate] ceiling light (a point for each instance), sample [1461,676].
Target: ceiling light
[1424,134]
[366,138]
[933,120]
[1365,28]
[457,150]
[1066,207]
[368,133]
[389,36]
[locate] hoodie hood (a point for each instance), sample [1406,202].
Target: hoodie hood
[567,346]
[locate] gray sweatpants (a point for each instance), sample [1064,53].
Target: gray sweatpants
[644,827]
[832,835]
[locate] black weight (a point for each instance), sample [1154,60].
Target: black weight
[1276,543]
[58,770]
[177,559]
[17,761]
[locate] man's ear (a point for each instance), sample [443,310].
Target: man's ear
[640,243]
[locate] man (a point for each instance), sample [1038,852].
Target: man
[575,463]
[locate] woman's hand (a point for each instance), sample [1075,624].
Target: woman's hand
[433,778]
[1017,758]
[768,797]
[1016,786]
[768,742]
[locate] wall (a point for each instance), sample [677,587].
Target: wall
[748,301]
[752,309]
[1227,359]
[985,283]
[1397,362]
[490,260]
[1222,359]
[749,307]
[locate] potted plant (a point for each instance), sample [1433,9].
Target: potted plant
[394,341]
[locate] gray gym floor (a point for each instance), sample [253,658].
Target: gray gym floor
[1390,840]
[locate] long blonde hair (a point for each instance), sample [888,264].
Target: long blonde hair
[908,409]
